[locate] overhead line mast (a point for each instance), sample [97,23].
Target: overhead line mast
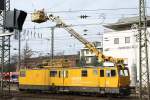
[4,47]
[144,88]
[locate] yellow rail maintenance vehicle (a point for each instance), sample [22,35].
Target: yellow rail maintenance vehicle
[102,80]
[111,78]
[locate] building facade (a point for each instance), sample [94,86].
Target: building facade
[123,42]
[87,57]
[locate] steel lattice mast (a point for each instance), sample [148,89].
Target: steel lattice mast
[144,88]
[4,47]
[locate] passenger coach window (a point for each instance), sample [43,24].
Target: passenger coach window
[113,73]
[84,73]
[101,73]
[53,73]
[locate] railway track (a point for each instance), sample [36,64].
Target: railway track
[16,95]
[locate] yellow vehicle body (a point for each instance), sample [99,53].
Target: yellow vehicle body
[97,79]
[34,78]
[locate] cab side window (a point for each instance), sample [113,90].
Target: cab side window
[101,73]
[95,72]
[53,73]
[59,74]
[65,73]
[110,73]
[84,73]
[113,73]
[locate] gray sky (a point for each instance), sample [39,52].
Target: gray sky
[106,11]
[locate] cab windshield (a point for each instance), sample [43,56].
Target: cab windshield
[123,72]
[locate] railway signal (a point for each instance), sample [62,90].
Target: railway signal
[1,4]
[15,20]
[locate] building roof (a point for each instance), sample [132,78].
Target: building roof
[125,23]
